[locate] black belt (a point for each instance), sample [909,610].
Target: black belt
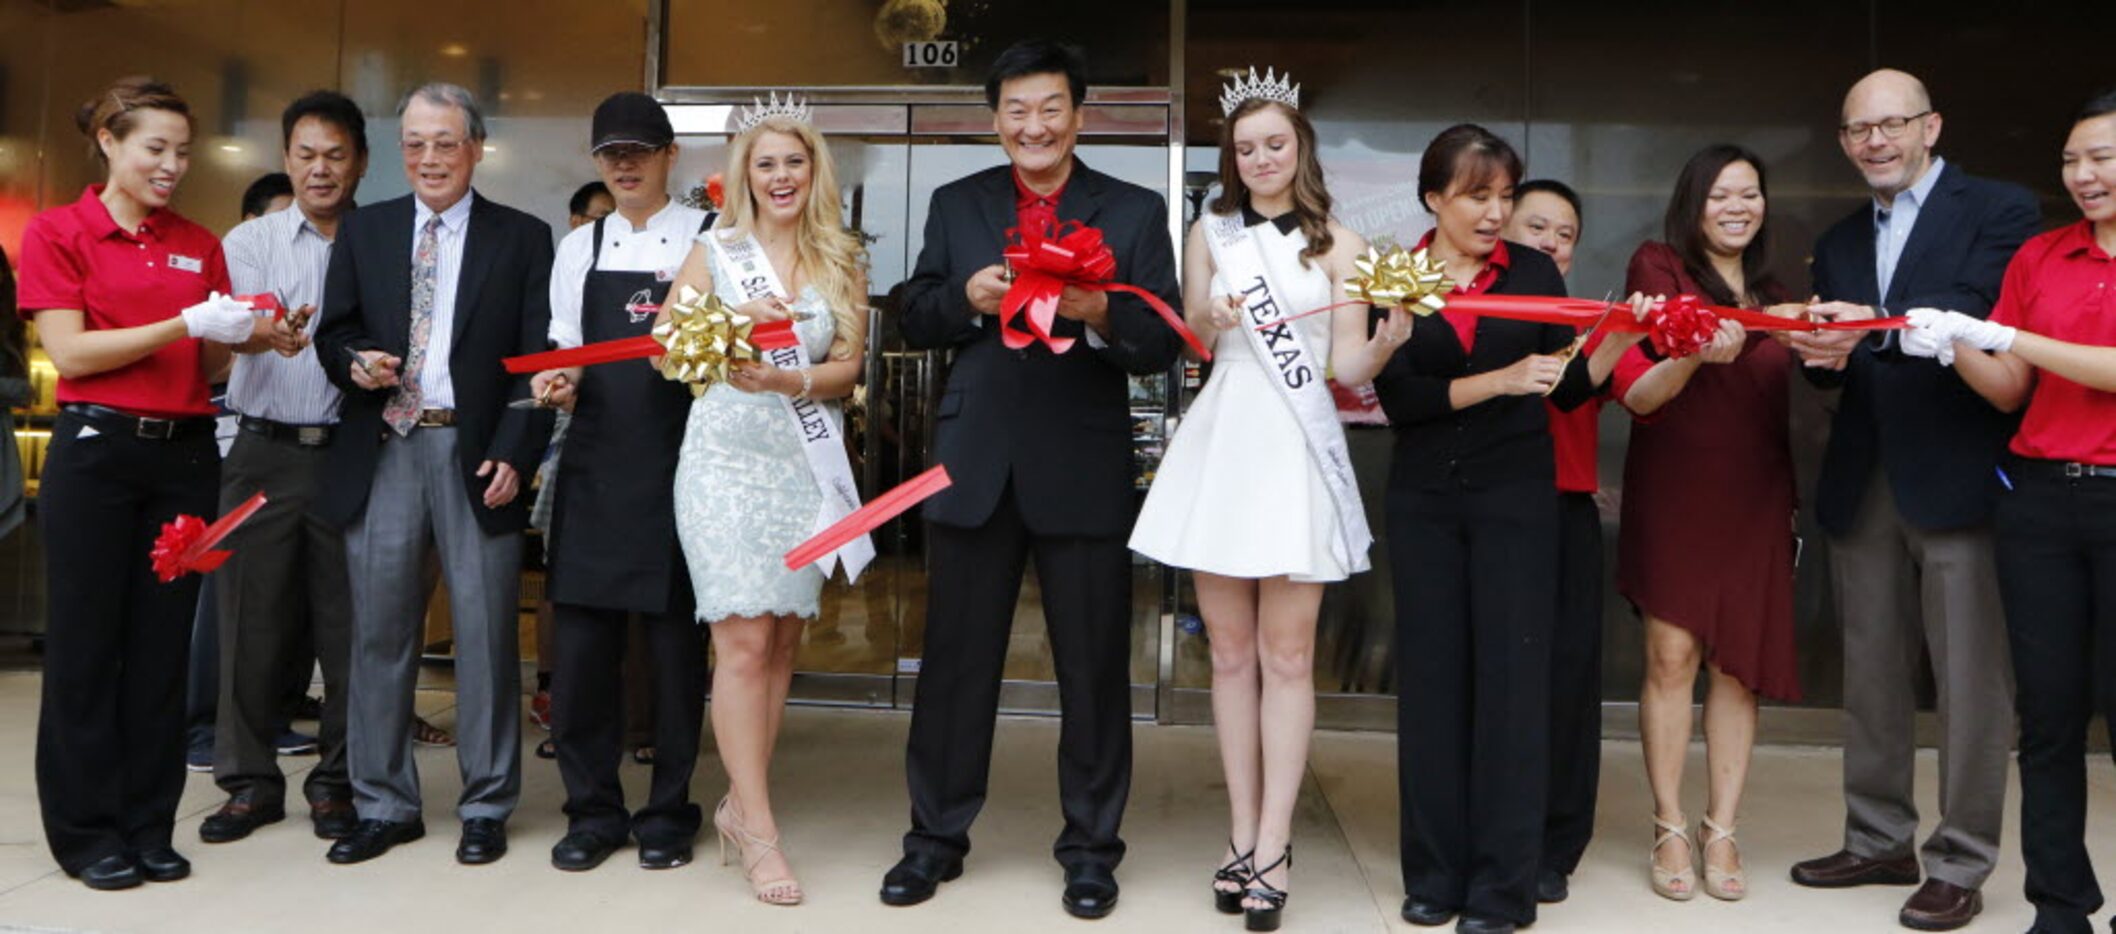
[308,436]
[2061,470]
[153,429]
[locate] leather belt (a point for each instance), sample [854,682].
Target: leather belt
[308,436]
[2062,470]
[152,429]
[437,418]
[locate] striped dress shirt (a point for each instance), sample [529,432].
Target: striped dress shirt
[281,252]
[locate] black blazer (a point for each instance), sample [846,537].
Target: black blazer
[503,308]
[1937,441]
[1500,440]
[1057,425]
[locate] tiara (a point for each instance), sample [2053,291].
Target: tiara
[792,108]
[1271,87]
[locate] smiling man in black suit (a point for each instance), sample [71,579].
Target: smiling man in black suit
[1039,446]
[424,297]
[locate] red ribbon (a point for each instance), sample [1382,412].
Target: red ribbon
[1682,326]
[186,543]
[1044,263]
[1581,312]
[869,517]
[766,335]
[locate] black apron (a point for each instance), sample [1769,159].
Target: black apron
[613,519]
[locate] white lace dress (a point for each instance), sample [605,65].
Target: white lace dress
[744,493]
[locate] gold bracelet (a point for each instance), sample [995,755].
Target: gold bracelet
[808,382]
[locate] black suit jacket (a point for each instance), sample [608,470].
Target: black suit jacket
[1503,439]
[1935,439]
[502,308]
[1057,425]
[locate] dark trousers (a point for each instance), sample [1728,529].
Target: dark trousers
[1575,686]
[2057,577]
[587,722]
[110,733]
[1476,594]
[288,574]
[974,578]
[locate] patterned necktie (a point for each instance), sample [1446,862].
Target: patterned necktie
[402,413]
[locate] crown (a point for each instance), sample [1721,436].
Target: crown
[1271,87]
[792,108]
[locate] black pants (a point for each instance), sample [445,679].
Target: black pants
[1575,686]
[2057,576]
[287,577]
[588,724]
[110,734]
[1476,594]
[974,580]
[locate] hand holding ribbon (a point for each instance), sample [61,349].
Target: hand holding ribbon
[1044,263]
[186,543]
[701,337]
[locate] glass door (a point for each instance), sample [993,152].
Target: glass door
[865,649]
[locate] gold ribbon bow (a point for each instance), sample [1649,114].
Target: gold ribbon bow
[701,338]
[1391,276]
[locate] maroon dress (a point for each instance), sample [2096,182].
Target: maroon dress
[1708,502]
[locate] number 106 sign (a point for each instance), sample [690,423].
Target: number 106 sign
[931,55]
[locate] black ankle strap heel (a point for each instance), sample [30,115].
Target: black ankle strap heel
[1239,871]
[1266,919]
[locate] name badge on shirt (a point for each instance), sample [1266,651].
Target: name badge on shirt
[664,275]
[186,263]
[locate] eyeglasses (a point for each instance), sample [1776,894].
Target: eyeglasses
[621,154]
[443,147]
[1890,127]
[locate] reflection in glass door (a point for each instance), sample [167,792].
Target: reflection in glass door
[866,647]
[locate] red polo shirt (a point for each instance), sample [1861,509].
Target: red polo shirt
[1465,324]
[2059,286]
[1033,211]
[75,257]
[1576,436]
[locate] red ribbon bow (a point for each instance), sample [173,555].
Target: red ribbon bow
[1044,262]
[1682,326]
[186,543]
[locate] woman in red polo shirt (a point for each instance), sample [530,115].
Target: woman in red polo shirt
[2053,331]
[121,290]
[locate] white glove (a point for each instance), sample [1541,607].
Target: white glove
[1948,327]
[1986,335]
[1924,338]
[220,319]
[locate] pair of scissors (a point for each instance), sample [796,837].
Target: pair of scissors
[1609,305]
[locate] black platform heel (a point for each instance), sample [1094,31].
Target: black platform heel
[1237,872]
[1266,919]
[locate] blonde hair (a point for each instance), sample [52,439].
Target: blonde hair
[829,256]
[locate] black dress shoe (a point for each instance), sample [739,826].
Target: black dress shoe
[1471,924]
[1551,887]
[372,838]
[484,841]
[162,864]
[578,851]
[333,818]
[667,854]
[1426,914]
[916,877]
[1090,891]
[111,873]
[237,818]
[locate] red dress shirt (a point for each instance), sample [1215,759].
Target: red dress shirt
[75,257]
[2059,286]
[1033,211]
[1576,436]
[1465,324]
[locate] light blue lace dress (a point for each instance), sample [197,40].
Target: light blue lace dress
[744,493]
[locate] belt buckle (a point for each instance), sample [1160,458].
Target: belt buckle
[310,435]
[155,429]
[2074,471]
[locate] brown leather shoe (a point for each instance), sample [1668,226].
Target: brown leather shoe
[237,818]
[1941,906]
[333,818]
[1844,869]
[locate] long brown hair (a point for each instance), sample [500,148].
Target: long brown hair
[1684,226]
[1311,199]
[115,108]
